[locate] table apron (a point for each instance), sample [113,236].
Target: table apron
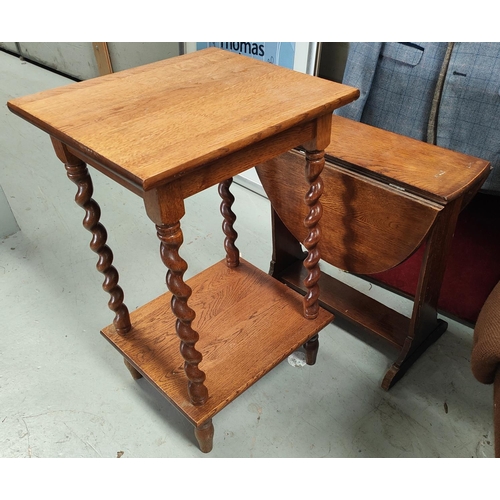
[117,177]
[207,175]
[233,164]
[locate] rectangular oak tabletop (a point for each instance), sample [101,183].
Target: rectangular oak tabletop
[155,122]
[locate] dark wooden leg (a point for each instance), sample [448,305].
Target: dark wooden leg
[78,173]
[425,327]
[166,211]
[135,374]
[171,239]
[312,347]
[286,252]
[315,161]
[232,253]
[205,436]
[286,248]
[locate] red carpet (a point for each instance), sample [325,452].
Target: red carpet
[473,267]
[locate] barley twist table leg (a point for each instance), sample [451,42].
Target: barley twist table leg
[232,252]
[171,239]
[315,162]
[78,173]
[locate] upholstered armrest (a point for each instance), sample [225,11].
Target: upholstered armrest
[485,358]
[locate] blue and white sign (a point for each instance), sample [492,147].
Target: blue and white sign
[280,53]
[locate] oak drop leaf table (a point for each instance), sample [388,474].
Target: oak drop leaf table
[167,131]
[386,195]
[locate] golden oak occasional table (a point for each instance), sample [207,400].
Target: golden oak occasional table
[169,130]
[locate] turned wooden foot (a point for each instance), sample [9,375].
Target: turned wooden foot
[205,436]
[135,374]
[311,347]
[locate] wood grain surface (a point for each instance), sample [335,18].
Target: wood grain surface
[367,227]
[430,171]
[158,121]
[247,321]
[355,306]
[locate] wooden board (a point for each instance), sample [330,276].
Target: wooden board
[101,53]
[248,322]
[367,227]
[430,171]
[347,302]
[157,122]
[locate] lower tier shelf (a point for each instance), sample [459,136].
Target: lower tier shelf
[248,322]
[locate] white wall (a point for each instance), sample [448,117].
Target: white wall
[126,55]
[76,59]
